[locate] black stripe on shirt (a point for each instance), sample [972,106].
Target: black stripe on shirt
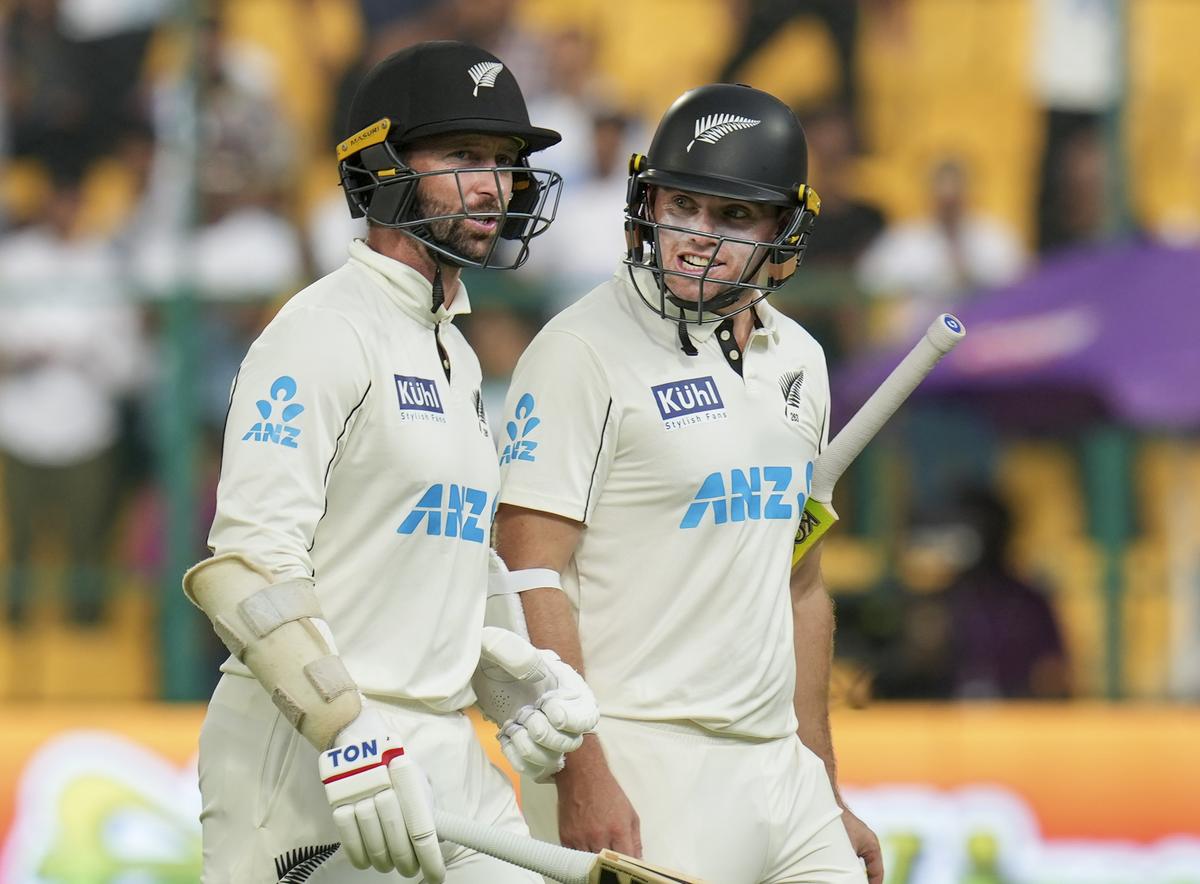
[596,464]
[329,466]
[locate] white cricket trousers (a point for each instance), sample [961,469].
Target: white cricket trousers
[720,808]
[264,809]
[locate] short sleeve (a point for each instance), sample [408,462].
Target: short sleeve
[556,440]
[293,400]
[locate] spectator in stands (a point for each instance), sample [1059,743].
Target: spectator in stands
[574,253]
[574,98]
[70,349]
[969,627]
[830,305]
[849,224]
[43,111]
[1077,63]
[1006,639]
[935,261]
[246,251]
[71,72]
[1076,196]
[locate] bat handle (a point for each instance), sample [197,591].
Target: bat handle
[945,332]
[560,863]
[939,339]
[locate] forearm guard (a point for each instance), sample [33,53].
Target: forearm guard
[278,632]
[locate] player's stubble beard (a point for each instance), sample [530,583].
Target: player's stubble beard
[452,233]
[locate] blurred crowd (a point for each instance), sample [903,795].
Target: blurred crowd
[158,153]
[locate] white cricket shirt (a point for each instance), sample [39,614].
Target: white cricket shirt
[691,479]
[350,456]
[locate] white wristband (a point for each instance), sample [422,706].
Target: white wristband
[532,578]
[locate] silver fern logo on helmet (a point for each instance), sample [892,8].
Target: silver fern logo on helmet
[484,74]
[714,127]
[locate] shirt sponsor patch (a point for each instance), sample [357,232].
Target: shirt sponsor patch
[450,510]
[691,401]
[278,414]
[419,399]
[519,430]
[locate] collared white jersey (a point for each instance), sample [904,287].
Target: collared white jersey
[690,479]
[349,455]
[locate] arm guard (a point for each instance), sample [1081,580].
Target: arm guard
[277,631]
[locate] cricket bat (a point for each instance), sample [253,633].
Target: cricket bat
[940,338]
[560,863]
[550,860]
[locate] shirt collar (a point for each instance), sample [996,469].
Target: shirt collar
[410,290]
[768,316]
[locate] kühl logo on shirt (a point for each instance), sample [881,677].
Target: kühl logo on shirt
[419,399]
[691,401]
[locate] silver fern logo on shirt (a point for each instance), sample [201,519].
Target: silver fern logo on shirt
[792,385]
[484,75]
[481,413]
[712,128]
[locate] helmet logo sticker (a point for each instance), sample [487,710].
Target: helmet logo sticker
[714,127]
[484,74]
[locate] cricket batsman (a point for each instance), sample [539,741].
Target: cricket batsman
[350,544]
[661,439]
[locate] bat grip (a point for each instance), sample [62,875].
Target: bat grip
[560,863]
[941,337]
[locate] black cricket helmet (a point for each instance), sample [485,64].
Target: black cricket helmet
[437,88]
[728,141]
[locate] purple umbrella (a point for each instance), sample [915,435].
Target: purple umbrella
[1097,334]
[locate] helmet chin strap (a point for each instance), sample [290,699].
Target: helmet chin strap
[421,234]
[720,302]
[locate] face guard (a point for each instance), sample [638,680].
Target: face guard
[769,265]
[379,185]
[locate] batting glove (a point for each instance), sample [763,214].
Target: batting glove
[382,803]
[541,705]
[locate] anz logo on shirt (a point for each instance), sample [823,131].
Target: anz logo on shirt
[519,429]
[449,510]
[279,432]
[748,495]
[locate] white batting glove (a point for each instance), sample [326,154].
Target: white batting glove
[382,803]
[541,705]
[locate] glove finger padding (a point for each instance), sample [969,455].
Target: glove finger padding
[373,839]
[523,743]
[544,734]
[400,849]
[571,707]
[413,792]
[352,842]
[533,761]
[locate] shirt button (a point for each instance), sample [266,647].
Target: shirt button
[725,335]
[733,354]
